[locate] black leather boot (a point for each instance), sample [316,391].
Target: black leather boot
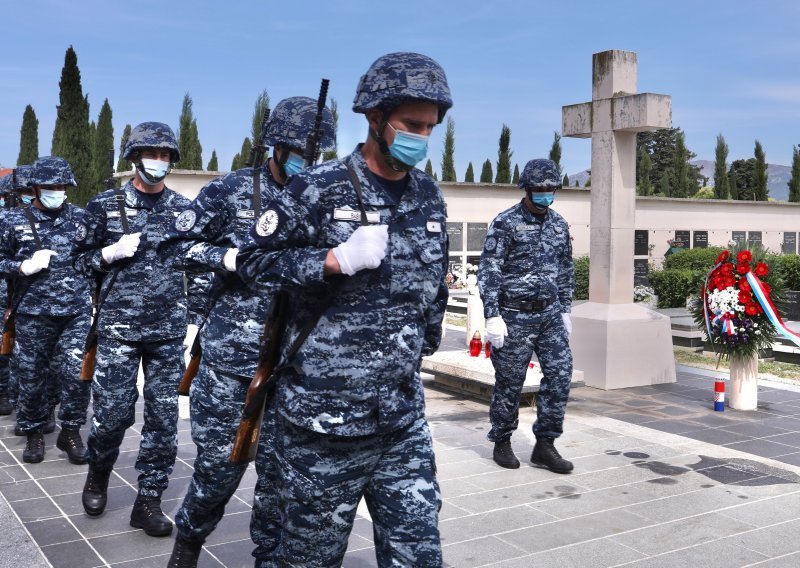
[34,448]
[5,405]
[184,554]
[95,492]
[69,441]
[50,425]
[545,455]
[147,515]
[504,456]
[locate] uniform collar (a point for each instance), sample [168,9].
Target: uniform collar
[375,195]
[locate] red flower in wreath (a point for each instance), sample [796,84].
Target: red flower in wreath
[726,268]
[742,268]
[761,269]
[730,281]
[745,297]
[723,256]
[744,256]
[744,286]
[751,309]
[767,288]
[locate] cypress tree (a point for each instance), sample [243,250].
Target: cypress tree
[645,187]
[260,107]
[71,136]
[213,165]
[103,145]
[515,177]
[244,153]
[188,140]
[680,180]
[236,163]
[429,168]
[665,188]
[745,178]
[733,183]
[721,185]
[434,176]
[469,177]
[588,181]
[448,165]
[333,154]
[555,150]
[486,172]
[760,188]
[124,165]
[794,181]
[28,138]
[565,181]
[504,157]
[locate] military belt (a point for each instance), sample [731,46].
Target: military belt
[537,305]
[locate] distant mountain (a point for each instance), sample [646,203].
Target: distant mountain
[777,178]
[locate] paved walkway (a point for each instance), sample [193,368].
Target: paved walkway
[660,480]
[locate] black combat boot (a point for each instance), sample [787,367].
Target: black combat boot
[504,456]
[5,405]
[34,449]
[545,455]
[184,554]
[50,425]
[95,492]
[147,515]
[69,441]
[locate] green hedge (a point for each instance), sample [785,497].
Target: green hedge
[673,286]
[581,278]
[788,266]
[693,259]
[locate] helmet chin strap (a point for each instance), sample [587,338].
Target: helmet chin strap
[390,160]
[280,161]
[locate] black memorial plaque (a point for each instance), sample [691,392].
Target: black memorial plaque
[738,236]
[700,239]
[640,271]
[789,243]
[754,237]
[455,232]
[681,239]
[476,233]
[640,242]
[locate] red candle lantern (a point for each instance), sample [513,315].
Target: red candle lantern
[488,349]
[475,345]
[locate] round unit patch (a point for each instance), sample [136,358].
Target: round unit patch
[267,223]
[489,244]
[186,220]
[80,232]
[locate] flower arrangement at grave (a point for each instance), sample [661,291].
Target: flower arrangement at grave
[467,277]
[643,293]
[737,303]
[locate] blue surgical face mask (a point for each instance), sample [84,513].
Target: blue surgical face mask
[153,171]
[2,202]
[294,164]
[52,199]
[542,198]
[408,147]
[26,199]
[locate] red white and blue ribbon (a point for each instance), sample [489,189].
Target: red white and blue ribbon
[769,309]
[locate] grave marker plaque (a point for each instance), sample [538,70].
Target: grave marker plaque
[754,237]
[455,232]
[738,236]
[681,239]
[640,242]
[640,272]
[476,233]
[700,239]
[789,243]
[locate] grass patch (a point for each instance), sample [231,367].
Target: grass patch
[706,360]
[455,319]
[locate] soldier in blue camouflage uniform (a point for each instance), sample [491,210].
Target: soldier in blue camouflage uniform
[350,404]
[53,310]
[207,238]
[6,406]
[144,319]
[526,279]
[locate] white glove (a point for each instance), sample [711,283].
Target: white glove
[496,331]
[365,248]
[125,247]
[567,323]
[38,262]
[229,260]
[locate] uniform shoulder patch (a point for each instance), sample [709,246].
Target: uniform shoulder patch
[186,220]
[80,232]
[490,244]
[267,223]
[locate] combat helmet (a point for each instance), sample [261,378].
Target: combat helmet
[401,77]
[292,120]
[50,170]
[540,173]
[152,135]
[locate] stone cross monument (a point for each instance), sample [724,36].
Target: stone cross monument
[616,342]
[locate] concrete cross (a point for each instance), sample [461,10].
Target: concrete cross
[615,342]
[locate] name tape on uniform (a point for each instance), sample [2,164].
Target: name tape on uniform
[433,226]
[355,216]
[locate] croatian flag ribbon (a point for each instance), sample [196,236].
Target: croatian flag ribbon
[769,309]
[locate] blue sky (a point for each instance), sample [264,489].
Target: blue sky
[731,67]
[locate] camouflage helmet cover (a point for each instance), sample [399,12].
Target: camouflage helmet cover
[292,120]
[402,77]
[540,173]
[50,170]
[151,135]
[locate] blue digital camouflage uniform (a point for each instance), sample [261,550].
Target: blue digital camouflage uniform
[350,404]
[144,319]
[528,258]
[220,218]
[52,318]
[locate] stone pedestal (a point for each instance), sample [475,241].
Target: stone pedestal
[475,319]
[621,345]
[743,394]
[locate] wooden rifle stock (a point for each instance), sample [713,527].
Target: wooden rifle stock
[9,334]
[87,364]
[192,368]
[263,384]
